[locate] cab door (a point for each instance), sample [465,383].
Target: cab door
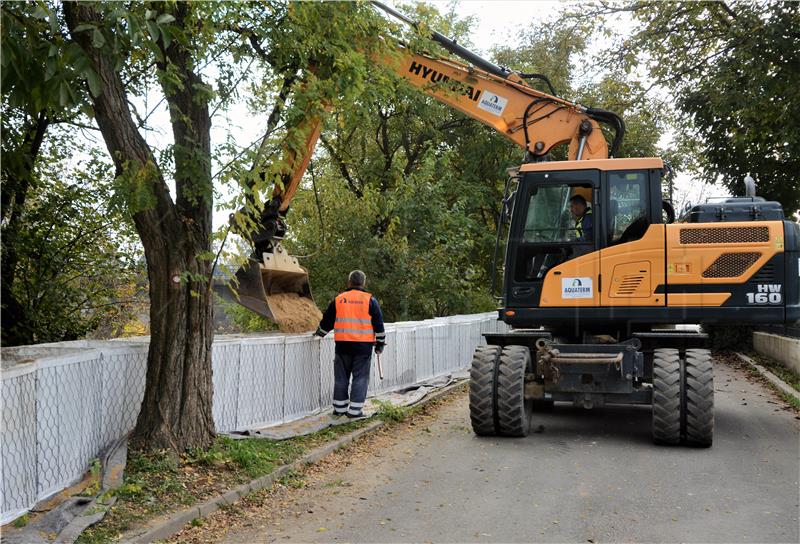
[549,265]
[632,259]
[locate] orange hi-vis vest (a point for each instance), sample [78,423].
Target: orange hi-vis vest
[353,322]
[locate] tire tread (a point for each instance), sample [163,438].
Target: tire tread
[481,390]
[666,420]
[699,395]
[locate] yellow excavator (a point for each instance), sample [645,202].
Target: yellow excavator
[593,303]
[497,97]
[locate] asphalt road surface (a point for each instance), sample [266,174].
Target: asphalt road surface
[586,476]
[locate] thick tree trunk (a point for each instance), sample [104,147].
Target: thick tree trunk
[176,410]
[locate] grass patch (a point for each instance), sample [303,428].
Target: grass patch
[293,479]
[337,483]
[158,483]
[252,456]
[786,374]
[390,412]
[789,399]
[733,360]
[21,521]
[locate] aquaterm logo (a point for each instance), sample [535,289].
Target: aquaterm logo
[576,288]
[492,103]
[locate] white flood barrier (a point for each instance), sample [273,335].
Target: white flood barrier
[63,403]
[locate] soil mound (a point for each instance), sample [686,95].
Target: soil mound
[294,313]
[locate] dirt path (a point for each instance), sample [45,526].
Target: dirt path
[587,476]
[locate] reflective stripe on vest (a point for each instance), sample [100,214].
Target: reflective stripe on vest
[579,222]
[353,322]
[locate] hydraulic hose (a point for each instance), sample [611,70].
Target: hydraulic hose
[614,121]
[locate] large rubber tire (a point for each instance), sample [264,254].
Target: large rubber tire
[666,396]
[513,413]
[698,398]
[481,390]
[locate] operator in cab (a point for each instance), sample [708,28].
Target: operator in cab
[584,223]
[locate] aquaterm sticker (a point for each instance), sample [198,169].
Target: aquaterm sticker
[577,288]
[492,103]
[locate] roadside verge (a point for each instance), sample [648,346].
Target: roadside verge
[783,387]
[162,528]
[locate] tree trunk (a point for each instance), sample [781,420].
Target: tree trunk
[17,178]
[176,411]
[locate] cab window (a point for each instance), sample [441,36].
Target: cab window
[548,217]
[627,215]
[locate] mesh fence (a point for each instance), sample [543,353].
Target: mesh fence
[62,404]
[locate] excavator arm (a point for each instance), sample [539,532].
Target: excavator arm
[535,121]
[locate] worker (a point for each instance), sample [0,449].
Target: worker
[584,224]
[357,323]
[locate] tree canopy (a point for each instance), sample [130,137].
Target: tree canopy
[733,69]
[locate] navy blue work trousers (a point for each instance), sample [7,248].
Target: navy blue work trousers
[349,398]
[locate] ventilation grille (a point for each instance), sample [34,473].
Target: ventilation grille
[725,235]
[629,285]
[731,265]
[767,273]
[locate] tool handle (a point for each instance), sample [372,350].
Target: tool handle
[380,367]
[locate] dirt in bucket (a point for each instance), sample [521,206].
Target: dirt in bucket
[294,313]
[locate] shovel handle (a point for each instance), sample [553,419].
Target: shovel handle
[380,367]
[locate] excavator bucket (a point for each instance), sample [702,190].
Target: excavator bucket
[277,288]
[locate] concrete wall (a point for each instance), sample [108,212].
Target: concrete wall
[781,348]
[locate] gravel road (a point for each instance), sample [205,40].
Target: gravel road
[584,476]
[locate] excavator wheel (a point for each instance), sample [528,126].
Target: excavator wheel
[666,396]
[698,383]
[481,390]
[513,412]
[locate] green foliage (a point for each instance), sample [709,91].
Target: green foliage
[390,412]
[733,69]
[42,71]
[76,258]
[410,190]
[558,50]
[786,374]
[243,319]
[729,337]
[21,521]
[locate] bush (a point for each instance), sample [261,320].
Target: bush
[729,337]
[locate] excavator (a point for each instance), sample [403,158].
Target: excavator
[594,314]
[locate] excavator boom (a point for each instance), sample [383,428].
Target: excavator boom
[499,98]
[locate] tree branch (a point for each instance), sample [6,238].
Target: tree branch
[340,163]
